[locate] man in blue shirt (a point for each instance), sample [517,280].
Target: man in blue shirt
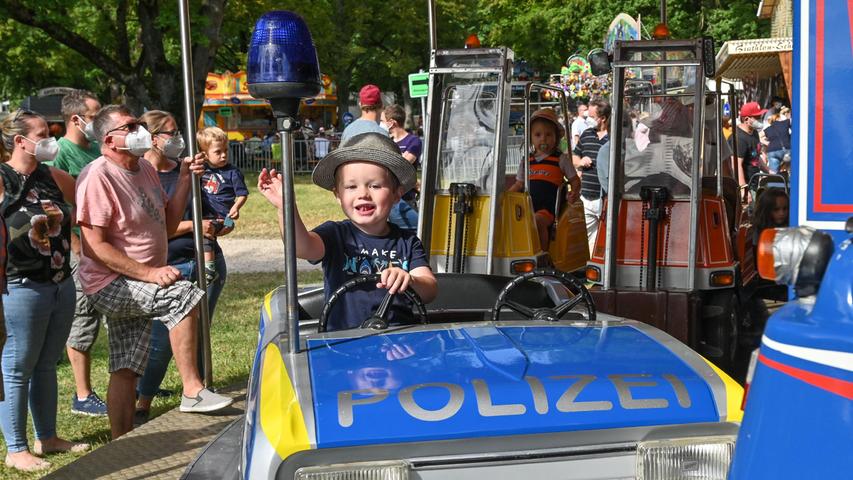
[370,102]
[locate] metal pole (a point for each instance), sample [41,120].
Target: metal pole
[288,201]
[718,135]
[433,38]
[423,117]
[189,117]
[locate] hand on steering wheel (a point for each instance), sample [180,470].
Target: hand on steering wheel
[551,314]
[378,319]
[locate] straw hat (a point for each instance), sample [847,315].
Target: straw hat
[367,147]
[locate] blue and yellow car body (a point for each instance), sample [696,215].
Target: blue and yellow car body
[571,390]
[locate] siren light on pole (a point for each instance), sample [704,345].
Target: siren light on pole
[283,67]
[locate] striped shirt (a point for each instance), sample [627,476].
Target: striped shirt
[588,146]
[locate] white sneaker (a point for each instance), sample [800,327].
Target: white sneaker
[204,401]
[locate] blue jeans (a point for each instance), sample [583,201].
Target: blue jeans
[38,319]
[161,349]
[774,159]
[404,216]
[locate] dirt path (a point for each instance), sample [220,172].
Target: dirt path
[255,255]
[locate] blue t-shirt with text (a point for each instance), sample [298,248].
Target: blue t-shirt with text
[222,186]
[351,253]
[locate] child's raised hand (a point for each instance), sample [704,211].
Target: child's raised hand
[270,185]
[395,279]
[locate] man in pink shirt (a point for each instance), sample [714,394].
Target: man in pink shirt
[125,218]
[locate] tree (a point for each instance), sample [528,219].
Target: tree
[369,41]
[134,46]
[546,32]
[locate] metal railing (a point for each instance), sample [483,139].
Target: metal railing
[252,155]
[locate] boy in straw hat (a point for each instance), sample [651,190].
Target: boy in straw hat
[547,167]
[368,175]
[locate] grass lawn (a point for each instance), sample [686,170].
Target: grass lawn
[258,218]
[233,338]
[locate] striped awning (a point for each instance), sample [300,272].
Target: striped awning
[757,57]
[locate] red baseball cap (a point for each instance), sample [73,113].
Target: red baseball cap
[752,109]
[369,96]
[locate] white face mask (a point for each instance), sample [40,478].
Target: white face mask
[137,142]
[88,129]
[757,124]
[46,149]
[385,126]
[173,147]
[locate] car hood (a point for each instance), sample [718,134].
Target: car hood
[486,380]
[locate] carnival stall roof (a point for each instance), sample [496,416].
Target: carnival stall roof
[760,57]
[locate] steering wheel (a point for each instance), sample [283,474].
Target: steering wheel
[377,320]
[550,314]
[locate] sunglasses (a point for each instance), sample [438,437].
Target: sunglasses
[130,127]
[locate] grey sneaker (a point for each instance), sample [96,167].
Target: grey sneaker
[204,401]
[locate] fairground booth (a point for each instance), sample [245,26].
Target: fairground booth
[228,105]
[763,65]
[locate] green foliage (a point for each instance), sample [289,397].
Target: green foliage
[546,32]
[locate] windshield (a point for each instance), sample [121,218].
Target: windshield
[657,128]
[469,119]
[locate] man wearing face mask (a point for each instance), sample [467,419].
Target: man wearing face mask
[125,219]
[76,150]
[580,123]
[748,144]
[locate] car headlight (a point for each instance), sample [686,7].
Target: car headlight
[706,458]
[356,471]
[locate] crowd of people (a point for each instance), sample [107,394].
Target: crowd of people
[99,230]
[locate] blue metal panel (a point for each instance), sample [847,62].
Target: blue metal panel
[793,430]
[469,382]
[822,162]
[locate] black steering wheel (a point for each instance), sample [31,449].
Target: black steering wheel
[551,314]
[377,320]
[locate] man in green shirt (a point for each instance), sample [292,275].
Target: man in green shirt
[76,149]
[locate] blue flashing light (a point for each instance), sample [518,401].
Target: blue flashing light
[282,59]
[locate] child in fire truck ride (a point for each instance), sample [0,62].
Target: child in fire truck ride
[367,175]
[224,187]
[548,167]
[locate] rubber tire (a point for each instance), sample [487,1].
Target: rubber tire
[720,332]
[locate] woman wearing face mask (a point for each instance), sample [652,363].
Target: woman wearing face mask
[39,306]
[167,146]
